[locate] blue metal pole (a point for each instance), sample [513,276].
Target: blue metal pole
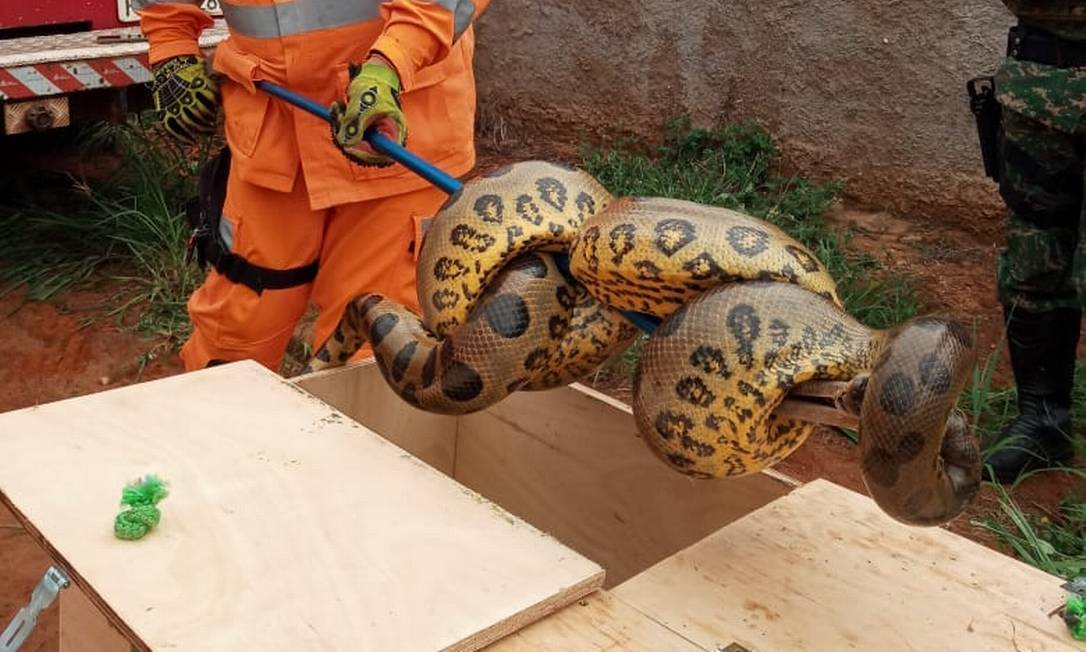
[424,169]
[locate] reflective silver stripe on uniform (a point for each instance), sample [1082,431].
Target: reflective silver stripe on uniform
[143,4]
[226,233]
[463,11]
[298,17]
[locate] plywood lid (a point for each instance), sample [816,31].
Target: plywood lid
[288,526]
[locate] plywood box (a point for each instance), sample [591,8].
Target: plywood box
[757,564]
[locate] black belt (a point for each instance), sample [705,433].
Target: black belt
[1036,45]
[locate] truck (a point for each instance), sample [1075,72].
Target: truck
[66,61]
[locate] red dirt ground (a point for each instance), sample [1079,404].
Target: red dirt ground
[49,353]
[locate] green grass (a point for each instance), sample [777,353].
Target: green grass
[1054,542]
[64,233]
[737,167]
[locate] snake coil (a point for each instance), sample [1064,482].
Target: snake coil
[748,314]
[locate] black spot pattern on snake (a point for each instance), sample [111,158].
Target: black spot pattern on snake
[409,394]
[746,389]
[747,241]
[324,355]
[710,360]
[565,298]
[647,270]
[490,209]
[682,462]
[465,237]
[445,298]
[934,374]
[827,295]
[694,391]
[621,241]
[368,303]
[808,262]
[668,327]
[586,206]
[429,368]
[536,360]
[880,467]
[499,172]
[448,269]
[508,315]
[339,336]
[528,210]
[808,339]
[910,446]
[898,394]
[960,333]
[700,449]
[381,327]
[553,192]
[778,332]
[833,336]
[591,239]
[556,229]
[789,273]
[672,235]
[512,234]
[557,327]
[402,360]
[745,326]
[460,382]
[670,425]
[703,267]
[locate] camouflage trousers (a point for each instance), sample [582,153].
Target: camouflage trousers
[1043,266]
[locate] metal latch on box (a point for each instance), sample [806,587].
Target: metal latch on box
[44,593]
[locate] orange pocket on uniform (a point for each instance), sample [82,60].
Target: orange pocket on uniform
[245,116]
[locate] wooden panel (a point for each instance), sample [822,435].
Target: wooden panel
[571,462]
[824,569]
[599,623]
[83,628]
[289,527]
[361,393]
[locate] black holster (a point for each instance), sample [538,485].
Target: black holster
[204,215]
[989,115]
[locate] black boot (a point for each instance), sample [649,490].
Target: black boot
[1043,349]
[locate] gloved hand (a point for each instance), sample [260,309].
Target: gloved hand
[186,97]
[373,100]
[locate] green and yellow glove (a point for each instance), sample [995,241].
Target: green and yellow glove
[373,100]
[186,97]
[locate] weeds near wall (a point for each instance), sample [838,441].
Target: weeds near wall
[130,227]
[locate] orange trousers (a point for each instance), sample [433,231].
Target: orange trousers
[363,247]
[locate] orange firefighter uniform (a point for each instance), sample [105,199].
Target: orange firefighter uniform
[292,197]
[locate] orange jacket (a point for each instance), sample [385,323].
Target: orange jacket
[306,45]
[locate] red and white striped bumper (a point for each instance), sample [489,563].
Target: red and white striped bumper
[45,79]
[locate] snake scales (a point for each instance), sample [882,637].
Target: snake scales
[748,315]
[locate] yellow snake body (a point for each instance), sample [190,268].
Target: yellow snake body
[748,315]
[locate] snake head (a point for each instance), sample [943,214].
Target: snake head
[921,460]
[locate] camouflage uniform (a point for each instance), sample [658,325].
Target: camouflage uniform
[1042,270]
[1044,264]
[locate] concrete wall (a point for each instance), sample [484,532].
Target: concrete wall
[872,93]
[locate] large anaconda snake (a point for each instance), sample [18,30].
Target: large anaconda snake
[749,315]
